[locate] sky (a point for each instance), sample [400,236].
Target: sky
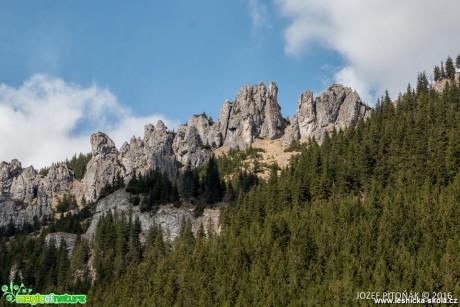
[71,68]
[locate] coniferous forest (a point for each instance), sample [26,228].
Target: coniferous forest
[371,208]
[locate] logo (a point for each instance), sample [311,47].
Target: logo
[22,295]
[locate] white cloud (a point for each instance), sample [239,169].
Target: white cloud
[258,13]
[384,43]
[46,120]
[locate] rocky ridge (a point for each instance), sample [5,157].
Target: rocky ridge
[254,114]
[336,108]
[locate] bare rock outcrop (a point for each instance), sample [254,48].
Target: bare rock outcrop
[189,148]
[8,172]
[255,113]
[158,149]
[154,151]
[26,194]
[336,108]
[70,239]
[168,217]
[102,168]
[193,142]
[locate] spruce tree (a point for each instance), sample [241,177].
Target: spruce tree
[443,72]
[450,68]
[437,73]
[212,189]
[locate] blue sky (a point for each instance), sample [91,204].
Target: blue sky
[74,67]
[170,57]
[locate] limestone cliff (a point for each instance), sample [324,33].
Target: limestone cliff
[336,108]
[25,194]
[254,114]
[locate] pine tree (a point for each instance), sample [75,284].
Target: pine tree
[134,249]
[62,265]
[450,68]
[133,185]
[212,189]
[437,73]
[187,185]
[443,72]
[422,83]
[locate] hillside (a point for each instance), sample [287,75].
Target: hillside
[301,211]
[372,208]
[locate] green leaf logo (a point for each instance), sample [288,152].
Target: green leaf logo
[13,290]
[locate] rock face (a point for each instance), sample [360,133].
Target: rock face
[153,151]
[337,107]
[25,194]
[70,239]
[140,155]
[255,113]
[102,168]
[167,217]
[192,144]
[158,149]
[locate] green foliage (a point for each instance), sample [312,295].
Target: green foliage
[43,171]
[212,188]
[210,121]
[450,68]
[422,83]
[437,73]
[234,160]
[372,208]
[66,203]
[294,146]
[206,146]
[78,164]
[117,184]
[154,189]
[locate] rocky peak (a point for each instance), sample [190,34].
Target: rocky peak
[273,90]
[8,171]
[161,126]
[201,123]
[25,193]
[337,107]
[102,168]
[255,113]
[148,130]
[102,145]
[158,150]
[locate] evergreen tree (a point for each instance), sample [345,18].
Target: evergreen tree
[450,68]
[134,248]
[187,183]
[212,189]
[437,73]
[62,266]
[422,83]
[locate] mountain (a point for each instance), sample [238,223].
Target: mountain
[366,208]
[372,208]
[254,114]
